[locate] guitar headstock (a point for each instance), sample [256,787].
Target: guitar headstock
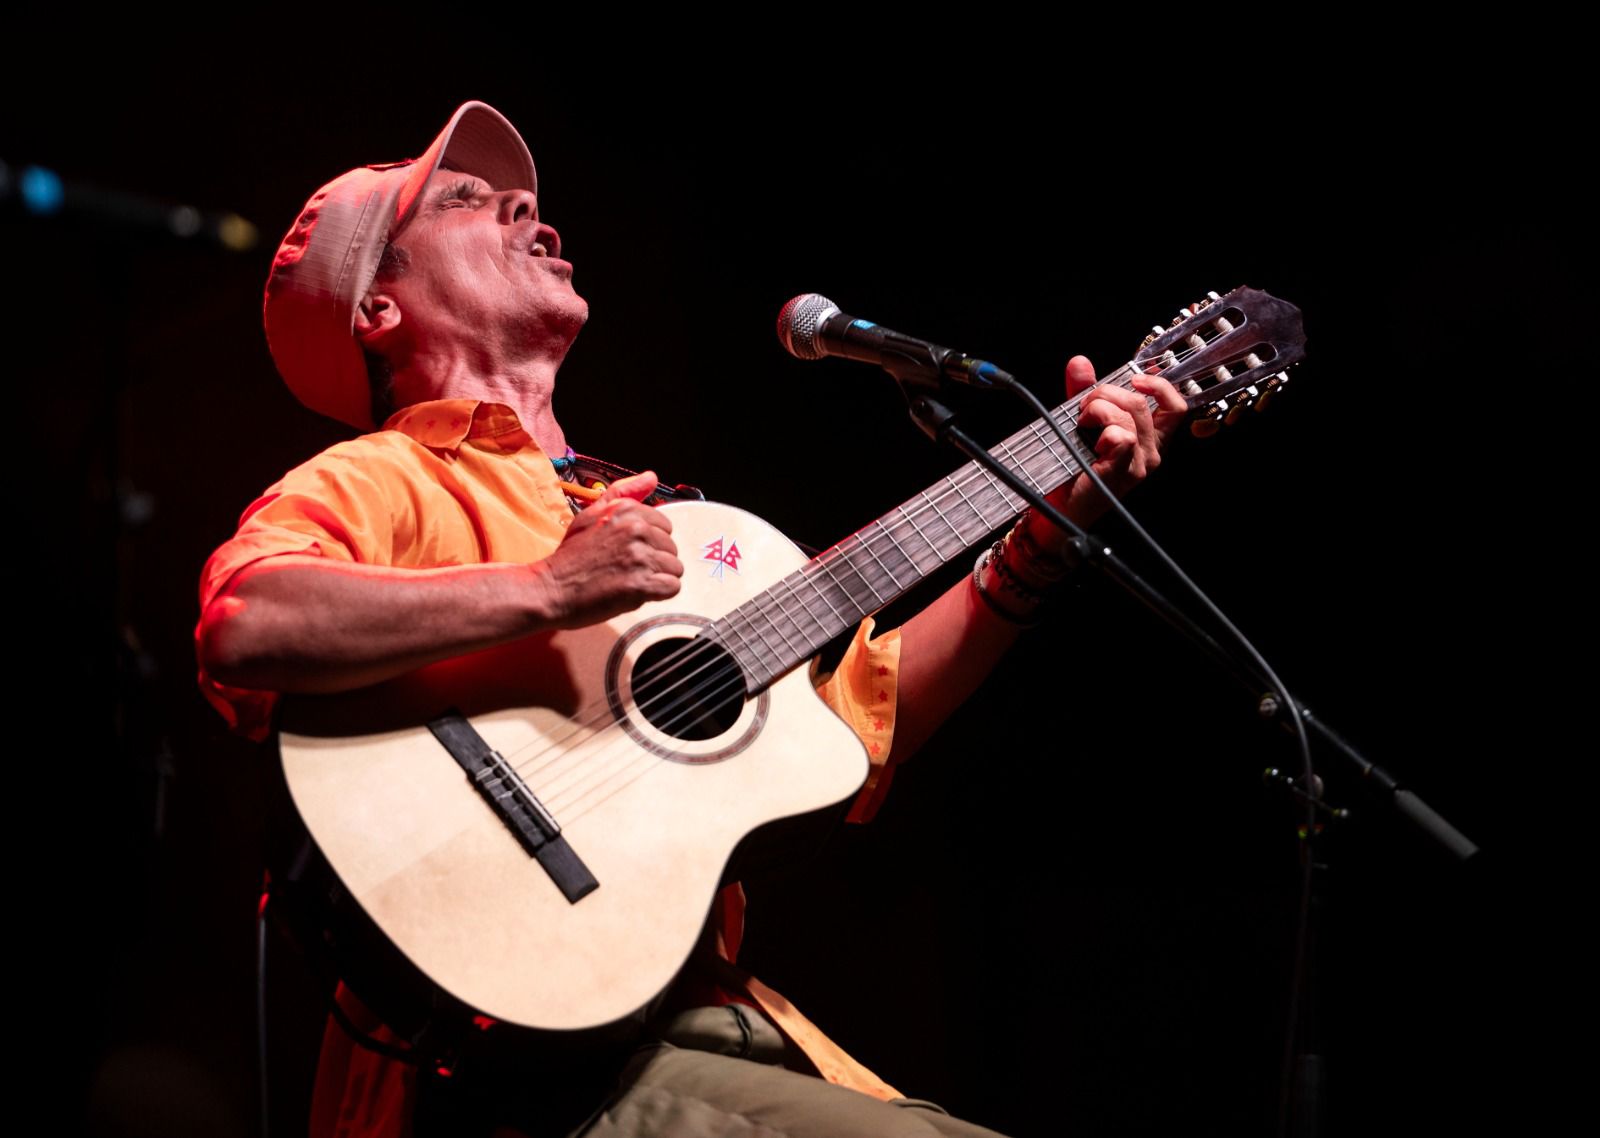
[1226,353]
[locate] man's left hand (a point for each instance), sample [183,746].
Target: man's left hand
[1129,447]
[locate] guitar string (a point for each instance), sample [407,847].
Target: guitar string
[789,588]
[636,763]
[726,682]
[646,762]
[1121,376]
[732,680]
[594,770]
[599,710]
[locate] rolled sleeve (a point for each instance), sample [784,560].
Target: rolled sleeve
[332,510]
[862,691]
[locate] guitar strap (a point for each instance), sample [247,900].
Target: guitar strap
[832,1062]
[597,473]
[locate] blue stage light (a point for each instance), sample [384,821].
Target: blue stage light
[40,189]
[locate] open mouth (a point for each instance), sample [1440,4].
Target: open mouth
[546,244]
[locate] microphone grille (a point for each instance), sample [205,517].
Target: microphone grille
[799,322]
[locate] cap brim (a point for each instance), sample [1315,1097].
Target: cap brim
[477,140]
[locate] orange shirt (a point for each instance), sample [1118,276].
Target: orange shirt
[455,482]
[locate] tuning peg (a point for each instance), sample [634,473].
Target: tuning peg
[1243,400]
[1210,421]
[1268,390]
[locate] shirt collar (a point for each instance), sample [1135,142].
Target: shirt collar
[444,424]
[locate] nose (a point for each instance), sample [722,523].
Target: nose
[518,205]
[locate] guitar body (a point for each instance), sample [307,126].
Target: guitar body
[653,815]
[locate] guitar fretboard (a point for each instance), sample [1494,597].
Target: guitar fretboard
[773,632]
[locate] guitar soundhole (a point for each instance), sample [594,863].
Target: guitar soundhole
[689,689]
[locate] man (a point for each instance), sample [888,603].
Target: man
[450,532]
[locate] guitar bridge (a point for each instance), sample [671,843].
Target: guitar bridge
[515,804]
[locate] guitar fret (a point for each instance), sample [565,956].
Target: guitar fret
[911,520]
[1021,466]
[916,570]
[948,525]
[812,629]
[777,627]
[813,588]
[1044,435]
[726,632]
[978,513]
[758,629]
[823,563]
[866,543]
[792,623]
[817,587]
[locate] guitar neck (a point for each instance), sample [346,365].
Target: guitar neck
[781,628]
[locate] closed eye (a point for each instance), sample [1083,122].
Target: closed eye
[461,193]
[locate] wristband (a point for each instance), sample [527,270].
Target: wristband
[1033,562]
[1007,596]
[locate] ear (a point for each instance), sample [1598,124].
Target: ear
[376,316]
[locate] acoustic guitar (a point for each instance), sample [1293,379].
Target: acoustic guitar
[540,828]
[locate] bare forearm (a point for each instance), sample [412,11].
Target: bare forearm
[309,624]
[313,624]
[946,652]
[949,649]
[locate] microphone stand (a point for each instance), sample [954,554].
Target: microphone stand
[937,421]
[1301,1106]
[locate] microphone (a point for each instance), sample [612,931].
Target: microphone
[811,326]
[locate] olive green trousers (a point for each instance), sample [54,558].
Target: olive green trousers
[717,1072]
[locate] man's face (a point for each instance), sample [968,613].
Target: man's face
[483,268]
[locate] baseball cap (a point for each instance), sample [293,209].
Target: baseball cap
[329,257]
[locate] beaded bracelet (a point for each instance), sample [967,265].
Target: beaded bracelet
[987,579]
[1027,576]
[1045,565]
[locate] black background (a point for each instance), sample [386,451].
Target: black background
[1074,914]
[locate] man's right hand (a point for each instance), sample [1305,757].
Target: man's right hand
[616,555]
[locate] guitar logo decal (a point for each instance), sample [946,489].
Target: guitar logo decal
[722,554]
